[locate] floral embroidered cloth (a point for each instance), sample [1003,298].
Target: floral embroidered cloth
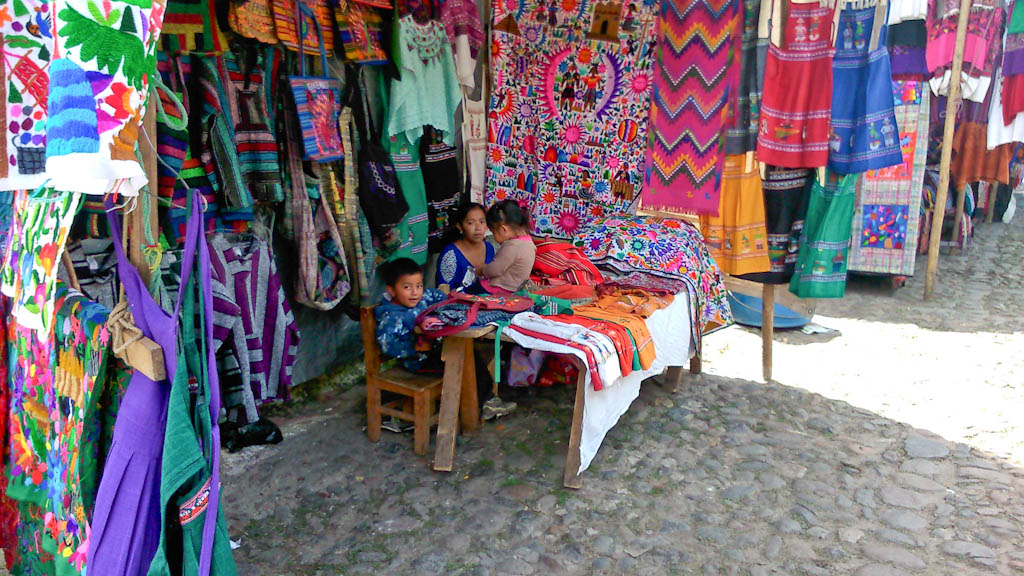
[38,235]
[104,54]
[568,113]
[663,247]
[82,342]
[27,46]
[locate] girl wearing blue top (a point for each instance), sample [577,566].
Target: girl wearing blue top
[459,261]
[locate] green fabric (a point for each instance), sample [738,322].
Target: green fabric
[497,350]
[427,91]
[825,240]
[413,230]
[185,473]
[1016,25]
[550,306]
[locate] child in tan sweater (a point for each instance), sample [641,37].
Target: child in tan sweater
[513,261]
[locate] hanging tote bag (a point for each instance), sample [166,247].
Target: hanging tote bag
[291,26]
[360,28]
[322,270]
[253,19]
[382,202]
[318,103]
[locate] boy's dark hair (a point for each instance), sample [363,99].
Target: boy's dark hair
[507,212]
[393,271]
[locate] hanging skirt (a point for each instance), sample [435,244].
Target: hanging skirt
[864,134]
[737,238]
[443,184]
[741,137]
[824,246]
[414,228]
[785,205]
[797,99]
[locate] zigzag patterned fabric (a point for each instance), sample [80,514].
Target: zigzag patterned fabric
[695,76]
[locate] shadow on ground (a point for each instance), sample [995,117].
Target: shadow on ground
[721,476]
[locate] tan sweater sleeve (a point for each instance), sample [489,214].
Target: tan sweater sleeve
[503,259]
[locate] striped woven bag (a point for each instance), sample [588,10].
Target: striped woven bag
[318,102]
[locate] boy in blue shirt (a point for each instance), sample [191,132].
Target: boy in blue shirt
[396,315]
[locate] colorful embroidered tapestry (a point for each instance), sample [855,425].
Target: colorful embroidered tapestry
[27,44]
[98,91]
[39,234]
[825,241]
[82,342]
[694,77]
[663,247]
[32,359]
[567,128]
[887,213]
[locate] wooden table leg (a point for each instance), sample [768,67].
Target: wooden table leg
[469,410]
[767,330]
[453,354]
[673,378]
[695,363]
[572,461]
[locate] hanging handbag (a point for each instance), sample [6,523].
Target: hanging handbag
[322,270]
[360,28]
[253,19]
[318,103]
[291,25]
[382,202]
[462,311]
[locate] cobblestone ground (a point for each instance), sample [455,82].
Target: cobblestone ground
[891,448]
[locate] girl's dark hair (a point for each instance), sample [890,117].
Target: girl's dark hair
[508,212]
[466,208]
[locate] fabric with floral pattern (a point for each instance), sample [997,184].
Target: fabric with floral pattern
[663,247]
[98,90]
[27,46]
[38,236]
[83,344]
[567,122]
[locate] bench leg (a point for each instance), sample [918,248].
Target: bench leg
[453,353]
[469,409]
[572,477]
[421,421]
[373,418]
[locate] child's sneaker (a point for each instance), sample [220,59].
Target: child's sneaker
[496,408]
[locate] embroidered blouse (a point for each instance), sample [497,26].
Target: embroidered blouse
[455,270]
[428,90]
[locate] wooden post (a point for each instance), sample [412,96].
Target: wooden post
[947,150]
[767,329]
[136,223]
[990,201]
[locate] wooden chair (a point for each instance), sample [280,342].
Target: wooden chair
[419,394]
